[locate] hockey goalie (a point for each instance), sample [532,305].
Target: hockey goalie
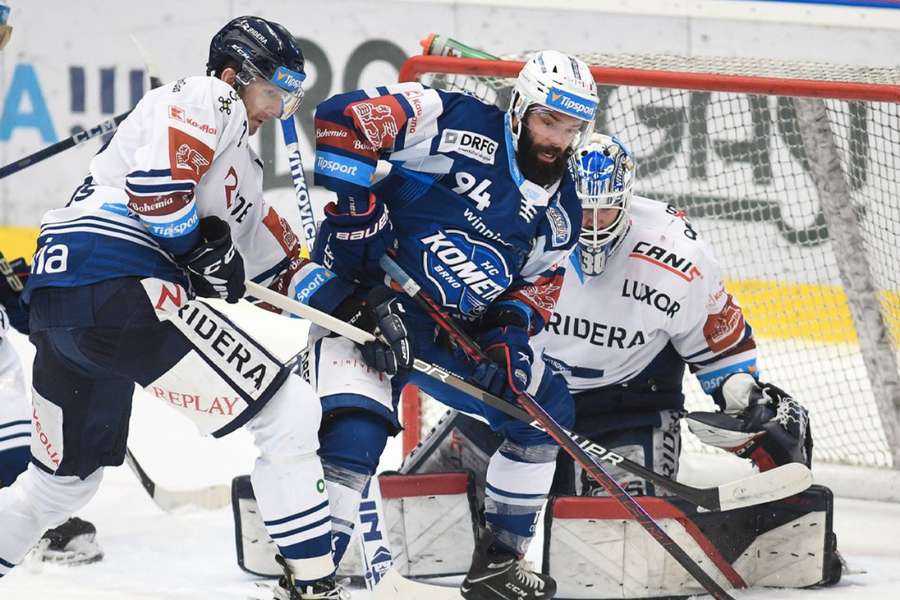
[642,301]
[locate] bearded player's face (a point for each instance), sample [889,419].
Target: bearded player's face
[545,144]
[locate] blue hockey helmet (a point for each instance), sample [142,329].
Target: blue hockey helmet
[263,51]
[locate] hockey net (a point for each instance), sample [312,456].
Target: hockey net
[790,171]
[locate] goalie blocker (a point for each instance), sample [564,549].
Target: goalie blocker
[595,550]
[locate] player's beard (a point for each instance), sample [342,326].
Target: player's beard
[534,169]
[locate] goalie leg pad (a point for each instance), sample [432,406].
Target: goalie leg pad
[431,522]
[657,447]
[593,548]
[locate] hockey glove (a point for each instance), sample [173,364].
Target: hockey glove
[759,421]
[13,276]
[508,372]
[381,314]
[215,267]
[351,244]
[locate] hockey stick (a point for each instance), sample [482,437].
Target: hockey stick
[375,549]
[107,126]
[307,219]
[440,374]
[774,484]
[565,440]
[79,138]
[211,497]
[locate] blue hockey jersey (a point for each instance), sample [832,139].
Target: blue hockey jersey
[471,229]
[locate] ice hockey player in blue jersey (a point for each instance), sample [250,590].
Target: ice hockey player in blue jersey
[172,212]
[643,302]
[479,208]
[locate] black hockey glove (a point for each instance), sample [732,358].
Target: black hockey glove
[13,276]
[215,267]
[381,314]
[759,421]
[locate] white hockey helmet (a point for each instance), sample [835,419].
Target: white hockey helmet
[603,170]
[559,82]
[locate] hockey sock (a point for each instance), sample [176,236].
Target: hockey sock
[293,502]
[288,480]
[345,490]
[518,480]
[35,502]
[351,445]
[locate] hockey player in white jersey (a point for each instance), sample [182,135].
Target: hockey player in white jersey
[172,211]
[646,300]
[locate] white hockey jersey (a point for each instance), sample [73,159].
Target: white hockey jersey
[660,301]
[180,156]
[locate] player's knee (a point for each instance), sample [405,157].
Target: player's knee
[288,425]
[353,440]
[554,397]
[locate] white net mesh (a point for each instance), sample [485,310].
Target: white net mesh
[736,163]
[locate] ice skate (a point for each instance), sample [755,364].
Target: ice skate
[72,543]
[499,574]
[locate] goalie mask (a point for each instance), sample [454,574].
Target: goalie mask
[557,82]
[264,52]
[603,171]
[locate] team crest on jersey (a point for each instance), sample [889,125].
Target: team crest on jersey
[468,143]
[469,273]
[378,120]
[560,226]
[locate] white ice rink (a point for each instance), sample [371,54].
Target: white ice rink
[190,555]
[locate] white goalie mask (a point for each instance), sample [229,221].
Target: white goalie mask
[603,171]
[558,82]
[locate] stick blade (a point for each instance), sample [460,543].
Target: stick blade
[208,498]
[774,484]
[394,586]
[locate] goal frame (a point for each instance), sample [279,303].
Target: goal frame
[860,293]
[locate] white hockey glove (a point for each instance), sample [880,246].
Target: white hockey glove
[758,421]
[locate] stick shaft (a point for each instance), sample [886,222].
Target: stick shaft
[304,204]
[561,437]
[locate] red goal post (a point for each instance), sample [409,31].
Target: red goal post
[417,66]
[791,171]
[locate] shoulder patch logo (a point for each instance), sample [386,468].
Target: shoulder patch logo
[380,120]
[189,158]
[560,226]
[469,144]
